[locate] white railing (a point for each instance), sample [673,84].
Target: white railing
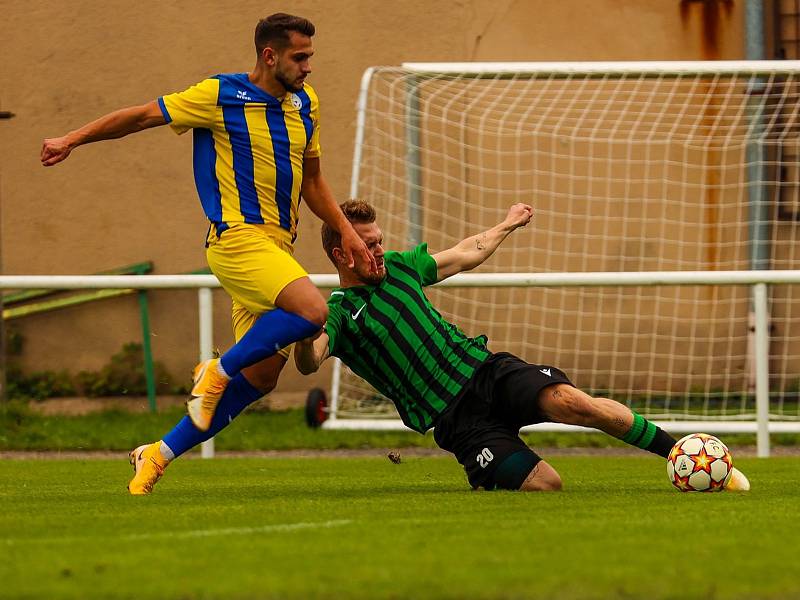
[204,283]
[601,68]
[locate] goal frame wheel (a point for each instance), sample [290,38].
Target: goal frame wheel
[316,407]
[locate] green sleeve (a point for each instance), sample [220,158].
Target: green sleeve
[426,266]
[419,260]
[333,325]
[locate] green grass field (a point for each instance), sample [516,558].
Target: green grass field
[24,429]
[365,528]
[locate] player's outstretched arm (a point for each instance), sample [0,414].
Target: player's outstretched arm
[113,125]
[474,250]
[318,196]
[310,353]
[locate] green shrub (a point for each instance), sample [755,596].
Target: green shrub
[123,375]
[38,385]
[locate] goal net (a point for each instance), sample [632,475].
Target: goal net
[630,167]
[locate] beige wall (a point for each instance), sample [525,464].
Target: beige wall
[65,63]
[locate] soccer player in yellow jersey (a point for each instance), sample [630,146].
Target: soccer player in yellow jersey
[256,152]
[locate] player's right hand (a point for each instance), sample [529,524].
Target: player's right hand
[355,250]
[54,150]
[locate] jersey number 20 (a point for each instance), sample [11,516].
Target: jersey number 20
[485,457]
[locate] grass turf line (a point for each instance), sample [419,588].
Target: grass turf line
[365,528]
[23,429]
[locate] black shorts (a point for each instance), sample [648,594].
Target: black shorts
[482,428]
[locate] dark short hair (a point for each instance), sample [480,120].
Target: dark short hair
[274,30]
[356,211]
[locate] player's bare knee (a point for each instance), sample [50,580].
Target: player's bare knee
[303,299]
[543,478]
[322,314]
[316,312]
[566,404]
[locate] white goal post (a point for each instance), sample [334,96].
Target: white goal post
[641,174]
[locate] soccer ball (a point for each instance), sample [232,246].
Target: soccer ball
[699,463]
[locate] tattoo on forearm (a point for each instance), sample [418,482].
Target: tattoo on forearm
[619,421]
[480,241]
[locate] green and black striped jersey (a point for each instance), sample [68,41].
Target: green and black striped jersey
[391,336]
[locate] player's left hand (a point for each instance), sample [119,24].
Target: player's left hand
[519,215]
[355,250]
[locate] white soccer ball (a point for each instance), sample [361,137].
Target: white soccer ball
[699,463]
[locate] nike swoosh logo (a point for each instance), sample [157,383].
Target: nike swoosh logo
[358,312]
[140,455]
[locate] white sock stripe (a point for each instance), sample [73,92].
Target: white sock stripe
[166,451]
[221,370]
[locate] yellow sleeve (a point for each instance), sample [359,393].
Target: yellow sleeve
[313,149]
[191,108]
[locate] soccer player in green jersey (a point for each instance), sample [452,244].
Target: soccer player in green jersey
[382,326]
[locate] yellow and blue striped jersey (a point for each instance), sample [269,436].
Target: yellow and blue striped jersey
[248,148]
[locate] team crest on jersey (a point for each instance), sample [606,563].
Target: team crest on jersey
[296,102]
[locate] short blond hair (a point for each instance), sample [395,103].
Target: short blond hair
[356,211]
